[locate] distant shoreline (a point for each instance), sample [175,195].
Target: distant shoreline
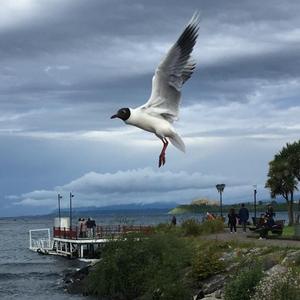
[195,208]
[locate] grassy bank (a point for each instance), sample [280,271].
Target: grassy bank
[176,263]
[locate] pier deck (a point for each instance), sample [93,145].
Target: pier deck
[72,242]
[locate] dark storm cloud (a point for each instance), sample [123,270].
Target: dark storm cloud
[66,66]
[70,55]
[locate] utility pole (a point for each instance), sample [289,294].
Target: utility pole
[254,195]
[71,196]
[59,197]
[220,188]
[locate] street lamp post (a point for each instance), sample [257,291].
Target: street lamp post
[254,196]
[58,200]
[71,196]
[220,188]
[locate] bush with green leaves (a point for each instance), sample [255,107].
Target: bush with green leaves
[192,227]
[243,284]
[212,226]
[145,268]
[206,262]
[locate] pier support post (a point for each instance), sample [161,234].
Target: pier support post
[81,251]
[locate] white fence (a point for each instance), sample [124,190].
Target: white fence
[40,239]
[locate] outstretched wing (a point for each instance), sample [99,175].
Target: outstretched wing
[173,71]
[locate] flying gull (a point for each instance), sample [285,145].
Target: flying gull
[162,108]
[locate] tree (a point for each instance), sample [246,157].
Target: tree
[284,174]
[291,154]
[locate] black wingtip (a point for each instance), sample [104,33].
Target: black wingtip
[195,20]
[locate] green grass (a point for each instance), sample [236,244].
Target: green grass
[288,231]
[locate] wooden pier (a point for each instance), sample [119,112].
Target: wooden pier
[71,242]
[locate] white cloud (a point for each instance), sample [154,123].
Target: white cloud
[139,185]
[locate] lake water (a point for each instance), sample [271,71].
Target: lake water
[27,275]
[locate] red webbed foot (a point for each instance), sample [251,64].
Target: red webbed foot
[162,156]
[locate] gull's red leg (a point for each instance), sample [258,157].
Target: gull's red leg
[162,156]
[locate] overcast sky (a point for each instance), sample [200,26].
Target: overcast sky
[68,65]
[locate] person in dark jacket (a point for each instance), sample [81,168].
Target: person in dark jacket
[270,211]
[89,227]
[173,221]
[232,220]
[243,216]
[267,225]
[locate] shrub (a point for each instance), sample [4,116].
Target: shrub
[279,286]
[191,227]
[242,286]
[163,227]
[194,228]
[206,262]
[167,228]
[212,226]
[143,268]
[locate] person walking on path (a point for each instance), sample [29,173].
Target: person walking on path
[244,216]
[232,220]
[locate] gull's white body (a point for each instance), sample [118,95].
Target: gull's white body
[162,128]
[162,108]
[139,117]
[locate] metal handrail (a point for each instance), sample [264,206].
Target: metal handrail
[100,231]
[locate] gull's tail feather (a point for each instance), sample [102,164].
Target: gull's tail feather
[177,141]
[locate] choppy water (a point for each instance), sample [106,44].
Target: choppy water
[27,275]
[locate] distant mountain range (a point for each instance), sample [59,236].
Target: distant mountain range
[121,207]
[171,207]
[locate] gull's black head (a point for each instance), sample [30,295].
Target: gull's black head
[123,114]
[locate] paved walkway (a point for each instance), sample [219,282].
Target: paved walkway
[241,236]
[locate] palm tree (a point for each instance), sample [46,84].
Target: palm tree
[284,174]
[291,154]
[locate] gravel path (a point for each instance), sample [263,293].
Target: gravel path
[241,236]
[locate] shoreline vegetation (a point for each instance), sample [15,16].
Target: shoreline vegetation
[179,262]
[204,206]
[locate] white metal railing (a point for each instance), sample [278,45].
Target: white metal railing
[42,242]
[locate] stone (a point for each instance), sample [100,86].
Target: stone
[210,297]
[268,262]
[277,269]
[214,283]
[232,266]
[74,280]
[219,294]
[291,258]
[227,256]
[199,296]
